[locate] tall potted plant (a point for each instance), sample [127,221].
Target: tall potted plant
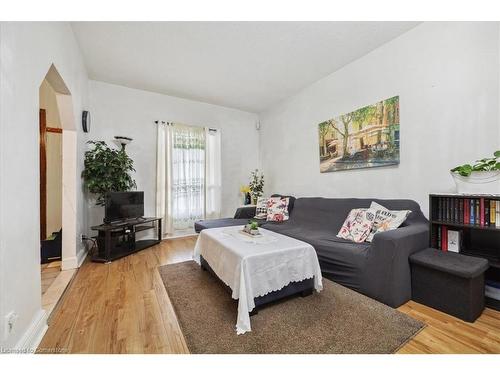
[107,170]
[482,177]
[256,185]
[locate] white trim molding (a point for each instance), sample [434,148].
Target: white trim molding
[33,335]
[76,261]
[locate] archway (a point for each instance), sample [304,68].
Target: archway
[66,118]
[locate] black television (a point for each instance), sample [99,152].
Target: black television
[123,205]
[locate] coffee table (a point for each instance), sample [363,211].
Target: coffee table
[258,269]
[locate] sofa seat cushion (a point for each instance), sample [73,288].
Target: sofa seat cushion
[342,261]
[218,223]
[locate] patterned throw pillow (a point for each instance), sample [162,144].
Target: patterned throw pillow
[358,225]
[386,219]
[277,209]
[261,209]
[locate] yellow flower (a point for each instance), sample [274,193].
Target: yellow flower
[244,189]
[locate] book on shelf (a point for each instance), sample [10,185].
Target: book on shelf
[466,211]
[477,214]
[481,211]
[439,210]
[460,211]
[444,238]
[492,289]
[472,219]
[487,212]
[454,237]
[497,219]
[438,237]
[493,213]
[447,209]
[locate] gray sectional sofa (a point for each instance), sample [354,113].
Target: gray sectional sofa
[379,269]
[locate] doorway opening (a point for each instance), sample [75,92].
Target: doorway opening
[58,246]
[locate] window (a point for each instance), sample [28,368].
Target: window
[188,175]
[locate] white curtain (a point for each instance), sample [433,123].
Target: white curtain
[188,175]
[164,176]
[212,173]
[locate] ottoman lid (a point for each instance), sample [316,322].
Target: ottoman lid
[454,263]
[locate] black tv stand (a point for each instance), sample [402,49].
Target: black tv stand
[118,239]
[127,221]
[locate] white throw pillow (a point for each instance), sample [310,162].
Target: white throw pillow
[261,208]
[386,219]
[277,209]
[357,225]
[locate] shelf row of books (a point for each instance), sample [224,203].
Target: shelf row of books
[447,239]
[469,211]
[492,289]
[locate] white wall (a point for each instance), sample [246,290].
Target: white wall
[118,110]
[26,52]
[446,75]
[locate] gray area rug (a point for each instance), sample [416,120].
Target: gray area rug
[337,320]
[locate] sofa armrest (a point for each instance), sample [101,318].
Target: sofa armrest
[245,212]
[388,277]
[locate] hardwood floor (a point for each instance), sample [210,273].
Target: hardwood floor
[123,307]
[49,272]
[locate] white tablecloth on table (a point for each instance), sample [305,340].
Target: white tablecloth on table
[254,267]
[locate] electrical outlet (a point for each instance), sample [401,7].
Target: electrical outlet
[10,321]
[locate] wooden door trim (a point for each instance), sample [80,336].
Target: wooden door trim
[43,174]
[53,130]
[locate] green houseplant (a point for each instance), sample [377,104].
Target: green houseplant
[253,225]
[106,170]
[256,185]
[485,164]
[481,177]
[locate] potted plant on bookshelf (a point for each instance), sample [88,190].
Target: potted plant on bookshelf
[256,185]
[482,177]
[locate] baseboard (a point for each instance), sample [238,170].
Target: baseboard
[76,261]
[180,234]
[80,257]
[33,334]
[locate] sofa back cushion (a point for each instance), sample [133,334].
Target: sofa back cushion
[358,225]
[291,200]
[277,209]
[330,213]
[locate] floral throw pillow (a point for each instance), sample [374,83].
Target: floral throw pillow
[358,225]
[261,209]
[386,219]
[277,209]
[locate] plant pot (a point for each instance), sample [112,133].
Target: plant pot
[487,182]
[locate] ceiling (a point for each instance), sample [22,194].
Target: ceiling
[244,65]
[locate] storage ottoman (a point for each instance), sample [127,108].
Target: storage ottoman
[449,282]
